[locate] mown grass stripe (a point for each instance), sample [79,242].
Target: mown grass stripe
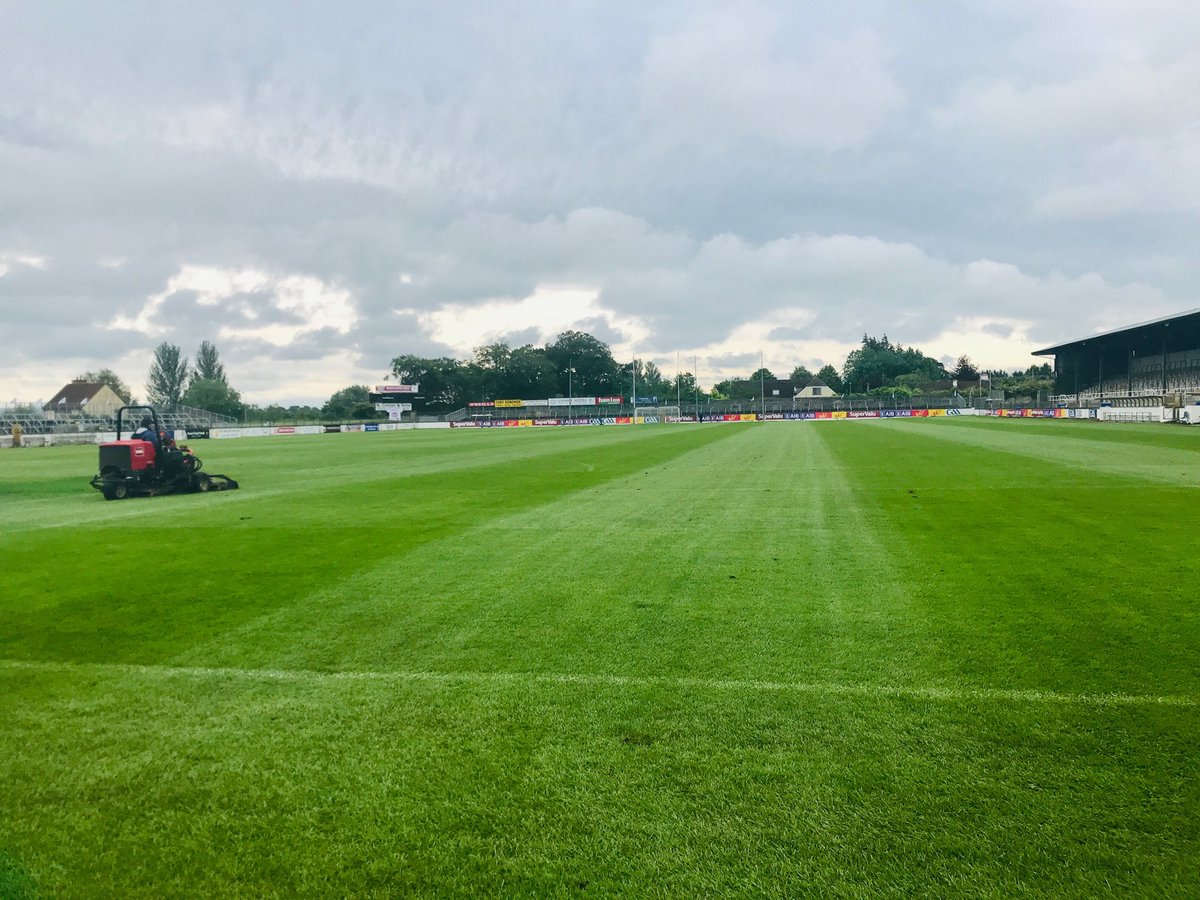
[1068,449]
[904,692]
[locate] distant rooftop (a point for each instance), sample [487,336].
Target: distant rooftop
[74,395]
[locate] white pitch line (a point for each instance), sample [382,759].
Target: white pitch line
[721,684]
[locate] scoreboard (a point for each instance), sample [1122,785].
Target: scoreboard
[394,394]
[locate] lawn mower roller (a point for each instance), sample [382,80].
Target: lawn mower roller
[149,463]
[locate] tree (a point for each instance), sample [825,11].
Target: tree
[208,364]
[722,389]
[275,413]
[353,402]
[500,371]
[830,376]
[964,370]
[684,387]
[652,382]
[489,370]
[530,373]
[895,390]
[762,375]
[596,372]
[214,396]
[168,375]
[112,379]
[444,382]
[1043,371]
[801,375]
[878,362]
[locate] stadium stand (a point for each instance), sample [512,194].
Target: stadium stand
[1138,365]
[34,419]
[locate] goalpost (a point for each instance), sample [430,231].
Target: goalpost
[655,415]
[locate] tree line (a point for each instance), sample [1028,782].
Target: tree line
[173,381]
[574,364]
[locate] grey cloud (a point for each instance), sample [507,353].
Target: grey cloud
[601,329]
[998,329]
[736,361]
[521,337]
[312,345]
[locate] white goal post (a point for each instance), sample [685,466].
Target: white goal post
[655,415]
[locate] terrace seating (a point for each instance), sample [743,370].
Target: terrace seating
[34,421]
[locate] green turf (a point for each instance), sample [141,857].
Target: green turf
[829,659]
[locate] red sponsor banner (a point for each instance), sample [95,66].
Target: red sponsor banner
[863,414]
[600,400]
[482,404]
[511,423]
[824,415]
[286,429]
[624,420]
[464,424]
[546,422]
[921,412]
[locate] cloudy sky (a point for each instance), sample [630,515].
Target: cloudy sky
[318,187]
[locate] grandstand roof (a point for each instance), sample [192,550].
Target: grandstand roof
[1192,317]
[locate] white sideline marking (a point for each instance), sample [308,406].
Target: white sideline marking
[733,684]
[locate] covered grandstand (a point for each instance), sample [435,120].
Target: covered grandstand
[34,419]
[1148,364]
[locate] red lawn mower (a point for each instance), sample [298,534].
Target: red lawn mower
[148,462]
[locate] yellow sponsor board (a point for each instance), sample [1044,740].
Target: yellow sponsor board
[839,415]
[509,404]
[522,423]
[749,417]
[937,412]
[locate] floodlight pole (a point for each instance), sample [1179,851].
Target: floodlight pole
[762,386]
[634,397]
[570,389]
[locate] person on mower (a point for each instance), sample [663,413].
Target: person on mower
[146,432]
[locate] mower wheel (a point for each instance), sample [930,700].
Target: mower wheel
[115,490]
[202,482]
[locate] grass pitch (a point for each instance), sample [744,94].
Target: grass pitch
[835,659]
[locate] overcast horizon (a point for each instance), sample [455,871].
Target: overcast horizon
[317,188]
